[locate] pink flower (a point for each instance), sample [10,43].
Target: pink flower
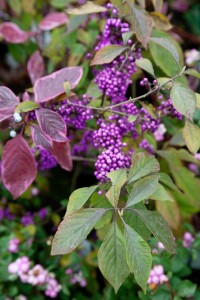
[188,239]
[160,246]
[159,133]
[37,275]
[13,245]
[157,275]
[52,288]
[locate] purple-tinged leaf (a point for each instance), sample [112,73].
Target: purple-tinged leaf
[18,166]
[35,66]
[4,115]
[8,100]
[62,153]
[53,20]
[40,139]
[51,86]
[13,34]
[52,124]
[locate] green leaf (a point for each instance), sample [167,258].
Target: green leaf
[94,91]
[143,164]
[158,226]
[146,65]
[167,45]
[183,100]
[26,106]
[118,179]
[163,82]
[107,54]
[138,256]
[161,194]
[184,179]
[186,289]
[112,257]
[191,135]
[142,190]
[170,211]
[160,21]
[79,197]
[197,100]
[135,222]
[142,23]
[126,36]
[162,57]
[74,229]
[193,73]
[166,180]
[132,118]
[88,8]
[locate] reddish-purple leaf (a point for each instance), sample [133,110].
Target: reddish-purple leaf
[62,153]
[13,34]
[53,20]
[4,115]
[18,166]
[40,139]
[35,66]
[51,86]
[52,124]
[8,100]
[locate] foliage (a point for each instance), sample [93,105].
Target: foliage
[106,91]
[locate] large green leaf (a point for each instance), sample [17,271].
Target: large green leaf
[141,22]
[74,229]
[170,211]
[138,256]
[146,65]
[161,194]
[184,178]
[118,179]
[142,190]
[167,45]
[142,165]
[158,226]
[191,134]
[79,197]
[112,257]
[162,57]
[166,180]
[183,100]
[135,222]
[192,72]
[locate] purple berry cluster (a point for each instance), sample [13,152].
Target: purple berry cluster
[148,123]
[75,115]
[110,160]
[46,160]
[114,80]
[106,136]
[83,146]
[166,108]
[144,144]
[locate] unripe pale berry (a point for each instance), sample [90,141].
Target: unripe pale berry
[13,133]
[17,117]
